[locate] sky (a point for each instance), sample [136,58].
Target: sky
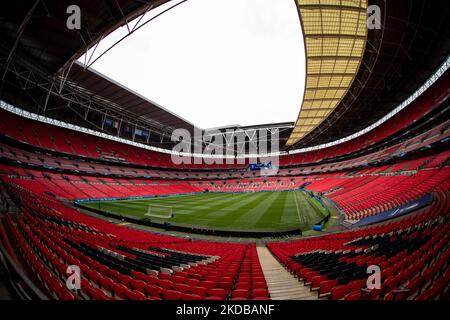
[215,63]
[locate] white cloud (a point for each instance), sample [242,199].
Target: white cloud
[216,62]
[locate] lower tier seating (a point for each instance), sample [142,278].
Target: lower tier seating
[121,263]
[364,195]
[412,254]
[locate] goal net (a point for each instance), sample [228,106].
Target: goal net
[159,212]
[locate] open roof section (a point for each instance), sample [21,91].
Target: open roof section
[335,33]
[213,63]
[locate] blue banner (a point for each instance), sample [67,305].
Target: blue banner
[261,166]
[397,212]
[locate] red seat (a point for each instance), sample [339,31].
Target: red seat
[217,292]
[194,276]
[183,288]
[124,279]
[315,281]
[326,286]
[106,283]
[188,296]
[137,275]
[201,291]
[354,295]
[65,294]
[153,291]
[114,274]
[192,282]
[242,285]
[310,275]
[181,274]
[397,294]
[150,279]
[257,279]
[137,284]
[135,295]
[357,285]
[97,294]
[227,279]
[259,285]
[165,284]
[367,294]
[225,285]
[260,293]
[171,295]
[164,276]
[240,293]
[207,284]
[212,279]
[178,279]
[119,290]
[339,292]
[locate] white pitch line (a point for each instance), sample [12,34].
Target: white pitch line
[296,204]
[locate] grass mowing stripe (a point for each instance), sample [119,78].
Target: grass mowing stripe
[238,211]
[254,199]
[141,207]
[272,214]
[226,215]
[251,216]
[215,206]
[300,217]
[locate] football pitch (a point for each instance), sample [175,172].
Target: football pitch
[254,211]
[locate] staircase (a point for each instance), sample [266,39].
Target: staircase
[282,285]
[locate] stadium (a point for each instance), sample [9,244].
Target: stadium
[106,195]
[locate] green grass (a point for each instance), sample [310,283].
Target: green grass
[261,211]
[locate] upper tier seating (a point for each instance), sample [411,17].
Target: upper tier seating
[76,143]
[72,142]
[46,162]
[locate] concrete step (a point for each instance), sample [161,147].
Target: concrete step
[282,285]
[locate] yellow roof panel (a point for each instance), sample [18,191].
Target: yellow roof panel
[335,33]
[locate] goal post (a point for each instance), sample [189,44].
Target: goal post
[159,212]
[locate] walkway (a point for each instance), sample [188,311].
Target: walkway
[282,285]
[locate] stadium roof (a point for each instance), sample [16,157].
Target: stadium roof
[335,35]
[36,30]
[125,101]
[414,40]
[37,54]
